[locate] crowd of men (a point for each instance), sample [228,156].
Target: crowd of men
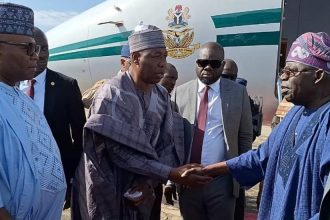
[142,133]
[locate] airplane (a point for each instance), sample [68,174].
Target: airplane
[256,34]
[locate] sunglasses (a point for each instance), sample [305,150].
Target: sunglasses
[215,64]
[31,48]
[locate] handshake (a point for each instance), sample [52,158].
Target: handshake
[193,175]
[190,175]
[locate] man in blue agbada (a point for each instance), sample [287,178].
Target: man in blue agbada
[294,161]
[32,182]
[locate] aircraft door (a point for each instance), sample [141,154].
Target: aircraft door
[106,42]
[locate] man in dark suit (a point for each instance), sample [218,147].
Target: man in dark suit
[325,205]
[59,97]
[219,128]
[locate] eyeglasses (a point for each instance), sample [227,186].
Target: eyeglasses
[215,64]
[31,48]
[228,76]
[292,73]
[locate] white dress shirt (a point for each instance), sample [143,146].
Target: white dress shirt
[214,147]
[39,89]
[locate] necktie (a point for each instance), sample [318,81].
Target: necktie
[30,91]
[196,149]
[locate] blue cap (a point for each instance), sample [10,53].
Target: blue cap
[16,19]
[125,51]
[241,81]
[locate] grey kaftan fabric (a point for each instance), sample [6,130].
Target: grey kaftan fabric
[126,142]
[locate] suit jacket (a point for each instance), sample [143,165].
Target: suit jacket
[325,205]
[65,115]
[236,115]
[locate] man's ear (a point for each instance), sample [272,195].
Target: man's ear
[135,58]
[319,75]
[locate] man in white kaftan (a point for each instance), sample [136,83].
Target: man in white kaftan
[32,182]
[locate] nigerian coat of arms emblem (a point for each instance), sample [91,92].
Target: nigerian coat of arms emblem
[179,37]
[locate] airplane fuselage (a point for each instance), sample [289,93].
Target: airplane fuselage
[87,47]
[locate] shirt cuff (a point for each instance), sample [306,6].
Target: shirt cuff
[164,172]
[233,167]
[243,172]
[170,183]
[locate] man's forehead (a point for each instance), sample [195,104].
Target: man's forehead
[154,50]
[171,73]
[228,69]
[16,38]
[211,53]
[297,65]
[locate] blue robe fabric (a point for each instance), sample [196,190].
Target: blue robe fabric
[294,164]
[32,182]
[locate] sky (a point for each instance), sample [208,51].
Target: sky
[49,13]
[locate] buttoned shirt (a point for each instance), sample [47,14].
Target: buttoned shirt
[214,146]
[39,89]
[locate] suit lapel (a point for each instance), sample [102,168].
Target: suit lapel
[50,93]
[225,102]
[192,105]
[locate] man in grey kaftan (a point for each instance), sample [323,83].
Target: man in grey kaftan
[129,139]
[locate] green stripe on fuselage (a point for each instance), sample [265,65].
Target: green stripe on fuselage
[229,40]
[266,16]
[114,38]
[100,52]
[249,39]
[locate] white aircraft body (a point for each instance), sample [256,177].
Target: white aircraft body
[87,47]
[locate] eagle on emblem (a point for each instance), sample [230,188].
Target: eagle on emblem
[178,39]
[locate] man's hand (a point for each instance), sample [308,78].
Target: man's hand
[192,180]
[193,170]
[212,170]
[170,193]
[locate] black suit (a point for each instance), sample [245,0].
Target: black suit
[65,115]
[325,205]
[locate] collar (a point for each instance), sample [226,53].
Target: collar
[214,86]
[41,77]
